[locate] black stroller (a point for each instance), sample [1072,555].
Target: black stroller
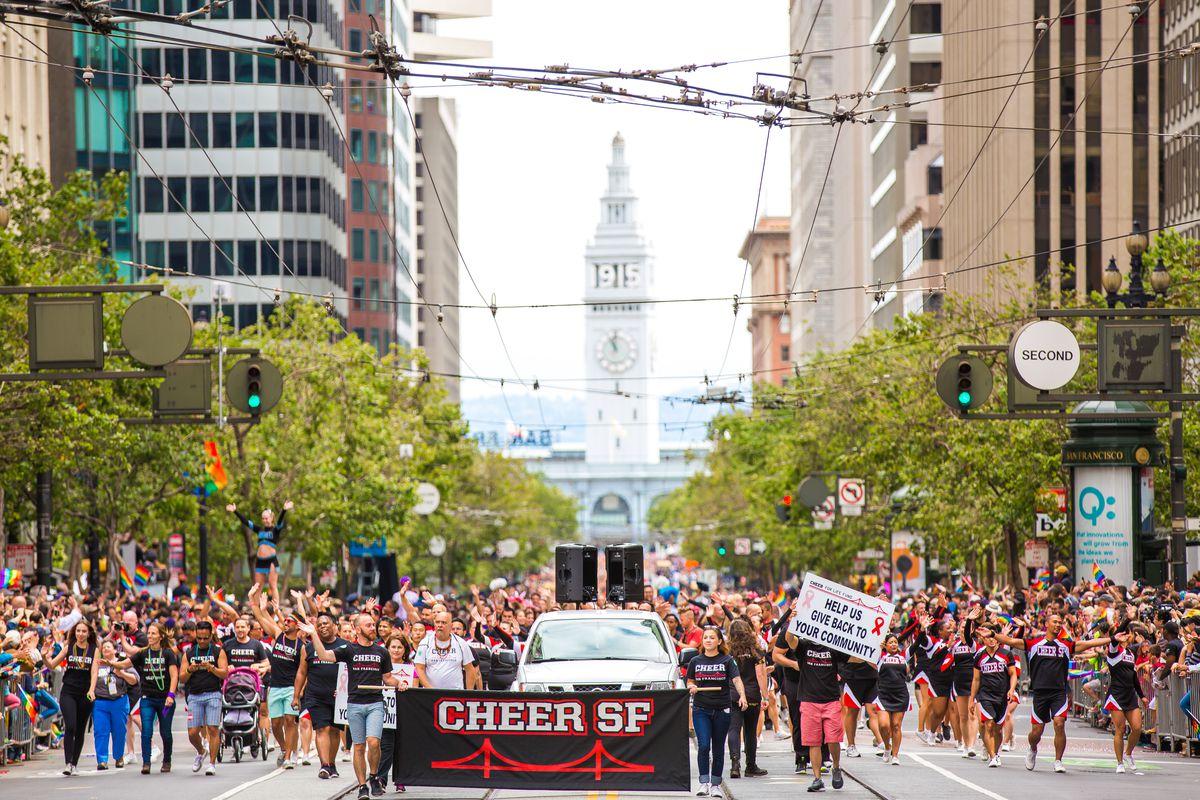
[240,698]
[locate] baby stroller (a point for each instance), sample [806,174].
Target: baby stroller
[240,697]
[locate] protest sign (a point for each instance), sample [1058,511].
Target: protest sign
[841,618]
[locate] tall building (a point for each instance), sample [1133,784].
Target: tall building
[770,325]
[1181,120]
[623,467]
[24,96]
[437,124]
[1088,188]
[276,149]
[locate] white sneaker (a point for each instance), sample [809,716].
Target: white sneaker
[211,769]
[895,762]
[1121,769]
[704,787]
[289,763]
[1129,763]
[198,762]
[852,752]
[781,735]
[1031,758]
[971,752]
[1058,766]
[994,761]
[962,750]
[345,759]
[306,759]
[1006,747]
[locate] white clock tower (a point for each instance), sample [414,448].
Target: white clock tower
[619,345]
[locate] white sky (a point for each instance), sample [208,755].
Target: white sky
[532,168]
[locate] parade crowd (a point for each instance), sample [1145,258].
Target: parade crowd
[258,675]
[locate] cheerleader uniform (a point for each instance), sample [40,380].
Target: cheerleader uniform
[892,685]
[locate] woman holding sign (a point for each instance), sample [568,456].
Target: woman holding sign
[709,678]
[401,653]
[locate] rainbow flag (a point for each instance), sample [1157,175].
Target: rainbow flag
[126,582]
[215,469]
[28,704]
[1193,723]
[1042,580]
[141,575]
[10,578]
[1079,674]
[1098,577]
[1006,617]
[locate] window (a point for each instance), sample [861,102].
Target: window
[356,195]
[152,130]
[197,58]
[243,9]
[268,258]
[268,193]
[918,134]
[176,132]
[173,62]
[934,182]
[373,195]
[785,353]
[314,132]
[243,67]
[222,195]
[357,294]
[223,257]
[152,196]
[288,195]
[199,125]
[314,195]
[220,64]
[200,195]
[356,144]
[177,255]
[372,96]
[933,245]
[925,18]
[151,63]
[373,147]
[247,315]
[357,244]
[176,195]
[355,6]
[374,294]
[267,72]
[373,245]
[356,99]
[356,41]
[222,130]
[202,258]
[375,339]
[268,129]
[285,129]
[301,194]
[247,257]
[244,125]
[303,260]
[361,333]
[246,192]
[925,72]
[152,254]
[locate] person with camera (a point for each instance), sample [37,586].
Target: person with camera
[205,665]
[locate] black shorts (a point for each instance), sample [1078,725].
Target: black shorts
[859,693]
[263,565]
[1122,698]
[320,714]
[940,682]
[993,709]
[1051,704]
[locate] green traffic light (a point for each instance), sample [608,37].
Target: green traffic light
[964,398]
[254,401]
[720,551]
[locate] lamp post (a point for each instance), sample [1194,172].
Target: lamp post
[1138,297]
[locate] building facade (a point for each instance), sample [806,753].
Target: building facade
[1088,184]
[24,97]
[438,260]
[766,250]
[623,467]
[1181,120]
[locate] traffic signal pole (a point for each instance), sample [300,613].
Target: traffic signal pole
[202,588]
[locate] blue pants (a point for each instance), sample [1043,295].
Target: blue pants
[109,719]
[712,725]
[152,708]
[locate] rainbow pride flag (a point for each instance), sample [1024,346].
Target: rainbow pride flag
[10,578]
[28,704]
[1098,577]
[126,581]
[141,575]
[1042,580]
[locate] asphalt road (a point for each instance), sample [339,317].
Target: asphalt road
[926,773]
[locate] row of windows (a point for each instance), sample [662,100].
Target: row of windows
[380,339]
[377,145]
[298,194]
[305,258]
[198,64]
[369,97]
[315,11]
[369,196]
[371,245]
[376,300]
[240,315]
[242,129]
[1181,175]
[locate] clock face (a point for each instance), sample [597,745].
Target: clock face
[616,351]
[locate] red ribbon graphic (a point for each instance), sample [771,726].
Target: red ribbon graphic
[878,625]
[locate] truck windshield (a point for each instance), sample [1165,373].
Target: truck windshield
[598,639]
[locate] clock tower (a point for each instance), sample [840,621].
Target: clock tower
[619,347]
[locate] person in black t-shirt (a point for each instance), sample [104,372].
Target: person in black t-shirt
[284,655]
[746,649]
[76,654]
[711,677]
[820,696]
[993,686]
[157,667]
[316,681]
[205,665]
[1124,698]
[785,658]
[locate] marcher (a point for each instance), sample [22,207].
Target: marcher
[109,691]
[712,676]
[746,650]
[157,666]
[284,656]
[77,654]
[389,744]
[205,666]
[893,700]
[993,690]
[1124,693]
[316,681]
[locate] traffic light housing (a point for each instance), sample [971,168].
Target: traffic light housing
[964,383]
[783,509]
[722,550]
[254,385]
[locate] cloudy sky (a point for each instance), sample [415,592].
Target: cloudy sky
[532,167]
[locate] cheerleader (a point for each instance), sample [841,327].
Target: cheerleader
[892,698]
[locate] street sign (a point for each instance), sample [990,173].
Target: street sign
[507,548]
[428,499]
[1193,523]
[759,546]
[1037,553]
[824,514]
[869,553]
[22,557]
[741,547]
[812,491]
[437,546]
[1048,524]
[1045,354]
[1133,354]
[852,496]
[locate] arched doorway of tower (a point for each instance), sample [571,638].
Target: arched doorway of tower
[612,511]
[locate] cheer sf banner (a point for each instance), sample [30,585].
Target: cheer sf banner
[585,741]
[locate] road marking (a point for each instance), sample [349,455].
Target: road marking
[248,784]
[947,773]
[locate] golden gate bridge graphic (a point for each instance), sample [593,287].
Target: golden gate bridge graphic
[597,761]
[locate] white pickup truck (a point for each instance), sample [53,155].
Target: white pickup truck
[595,651]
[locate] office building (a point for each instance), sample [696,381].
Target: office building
[1181,120]
[1074,196]
[24,93]
[770,324]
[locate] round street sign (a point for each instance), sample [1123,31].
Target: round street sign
[1045,354]
[156,330]
[812,491]
[428,498]
[507,548]
[437,546]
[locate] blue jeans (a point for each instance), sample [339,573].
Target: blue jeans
[155,708]
[109,718]
[712,725]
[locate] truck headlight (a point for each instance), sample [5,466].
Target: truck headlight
[661,686]
[533,687]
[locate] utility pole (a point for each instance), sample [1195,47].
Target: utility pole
[44,548]
[1177,571]
[93,537]
[202,588]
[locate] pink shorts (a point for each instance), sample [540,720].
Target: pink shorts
[820,723]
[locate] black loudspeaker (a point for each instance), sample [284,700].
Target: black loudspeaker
[624,564]
[575,573]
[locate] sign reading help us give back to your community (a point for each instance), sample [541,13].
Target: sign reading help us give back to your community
[841,618]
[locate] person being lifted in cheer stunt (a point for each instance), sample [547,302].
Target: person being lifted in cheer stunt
[266,562]
[1049,653]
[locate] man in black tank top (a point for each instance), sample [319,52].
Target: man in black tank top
[204,668]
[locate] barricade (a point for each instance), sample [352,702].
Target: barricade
[1174,728]
[17,729]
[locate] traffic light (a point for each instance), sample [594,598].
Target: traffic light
[964,382]
[721,548]
[783,509]
[254,385]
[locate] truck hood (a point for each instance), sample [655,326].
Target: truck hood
[572,672]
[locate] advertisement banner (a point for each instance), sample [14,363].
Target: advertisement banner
[908,567]
[578,742]
[841,618]
[1104,518]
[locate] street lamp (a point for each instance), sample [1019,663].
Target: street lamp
[1137,296]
